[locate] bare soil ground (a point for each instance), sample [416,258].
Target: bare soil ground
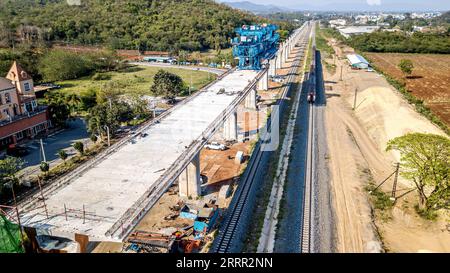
[430,80]
[356,141]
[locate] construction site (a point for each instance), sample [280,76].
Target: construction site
[167,187]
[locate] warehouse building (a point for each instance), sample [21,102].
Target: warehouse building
[357,61]
[347,32]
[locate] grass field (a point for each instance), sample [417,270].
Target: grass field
[430,80]
[136,80]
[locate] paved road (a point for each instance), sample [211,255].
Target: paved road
[52,144]
[216,71]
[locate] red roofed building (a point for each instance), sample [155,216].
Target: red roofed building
[20,115]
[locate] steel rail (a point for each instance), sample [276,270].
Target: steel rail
[228,231]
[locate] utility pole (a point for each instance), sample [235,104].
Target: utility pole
[190,86]
[341,74]
[43,151]
[394,186]
[43,199]
[354,100]
[107,132]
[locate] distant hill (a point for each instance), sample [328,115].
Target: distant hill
[133,24]
[256,8]
[445,17]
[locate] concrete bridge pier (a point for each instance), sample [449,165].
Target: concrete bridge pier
[250,100]
[230,127]
[189,180]
[281,56]
[273,66]
[263,83]
[286,51]
[279,59]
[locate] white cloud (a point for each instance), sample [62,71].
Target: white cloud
[374,2]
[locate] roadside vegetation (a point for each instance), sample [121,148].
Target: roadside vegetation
[406,66]
[322,37]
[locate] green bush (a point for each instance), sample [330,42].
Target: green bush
[59,65]
[101,77]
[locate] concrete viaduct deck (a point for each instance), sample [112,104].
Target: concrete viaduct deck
[106,198]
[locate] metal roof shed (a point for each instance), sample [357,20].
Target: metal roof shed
[357,61]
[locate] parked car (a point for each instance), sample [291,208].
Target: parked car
[278,79]
[215,146]
[370,69]
[17,151]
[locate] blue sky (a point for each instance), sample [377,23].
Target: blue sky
[412,5]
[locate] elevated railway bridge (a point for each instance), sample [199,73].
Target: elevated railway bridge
[105,198]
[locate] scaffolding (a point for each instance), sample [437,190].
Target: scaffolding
[255,43]
[10,231]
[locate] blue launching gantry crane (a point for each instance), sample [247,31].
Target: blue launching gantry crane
[255,43]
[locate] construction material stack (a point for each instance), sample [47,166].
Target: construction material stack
[253,44]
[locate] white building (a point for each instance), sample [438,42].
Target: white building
[347,32]
[338,22]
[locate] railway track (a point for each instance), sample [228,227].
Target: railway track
[230,230]
[306,236]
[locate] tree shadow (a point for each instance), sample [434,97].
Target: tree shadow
[414,77]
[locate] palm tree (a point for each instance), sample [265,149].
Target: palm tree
[73,100]
[63,155]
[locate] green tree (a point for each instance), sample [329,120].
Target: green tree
[88,99]
[8,170]
[58,108]
[425,160]
[44,166]
[59,65]
[406,66]
[79,146]
[73,101]
[108,114]
[63,155]
[110,91]
[167,84]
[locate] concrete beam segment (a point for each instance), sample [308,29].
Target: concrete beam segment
[250,100]
[189,180]
[230,128]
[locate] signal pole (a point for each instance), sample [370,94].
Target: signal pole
[394,186]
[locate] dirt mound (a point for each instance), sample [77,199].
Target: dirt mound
[385,115]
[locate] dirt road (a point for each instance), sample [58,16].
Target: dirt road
[355,230]
[357,141]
